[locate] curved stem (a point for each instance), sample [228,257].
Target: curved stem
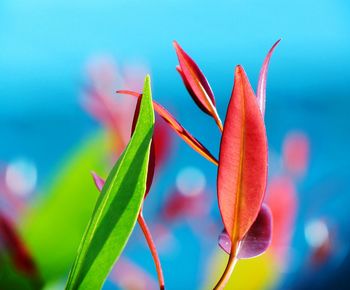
[232,261]
[152,248]
[181,131]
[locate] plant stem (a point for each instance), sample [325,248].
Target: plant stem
[232,261]
[152,248]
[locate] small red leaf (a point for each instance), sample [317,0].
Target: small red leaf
[261,90]
[194,78]
[175,125]
[256,241]
[99,181]
[196,84]
[191,92]
[242,171]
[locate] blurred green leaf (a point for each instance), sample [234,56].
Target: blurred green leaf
[118,206]
[53,227]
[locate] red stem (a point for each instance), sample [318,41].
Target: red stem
[153,249]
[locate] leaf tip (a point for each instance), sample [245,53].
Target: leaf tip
[181,54]
[239,72]
[98,181]
[274,45]
[239,69]
[147,80]
[176,45]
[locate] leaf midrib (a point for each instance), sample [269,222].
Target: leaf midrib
[240,176]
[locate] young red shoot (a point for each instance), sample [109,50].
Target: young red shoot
[196,84]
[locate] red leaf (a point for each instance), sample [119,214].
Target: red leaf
[136,115]
[256,241]
[151,162]
[162,141]
[17,249]
[151,166]
[196,84]
[261,90]
[195,79]
[175,125]
[191,92]
[242,171]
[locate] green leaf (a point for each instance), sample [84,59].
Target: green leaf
[44,228]
[118,206]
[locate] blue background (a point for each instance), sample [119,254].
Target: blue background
[45,45]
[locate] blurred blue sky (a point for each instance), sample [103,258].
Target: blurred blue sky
[45,47]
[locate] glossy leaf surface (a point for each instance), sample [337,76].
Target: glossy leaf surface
[195,81]
[117,207]
[261,90]
[176,126]
[196,84]
[242,171]
[256,241]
